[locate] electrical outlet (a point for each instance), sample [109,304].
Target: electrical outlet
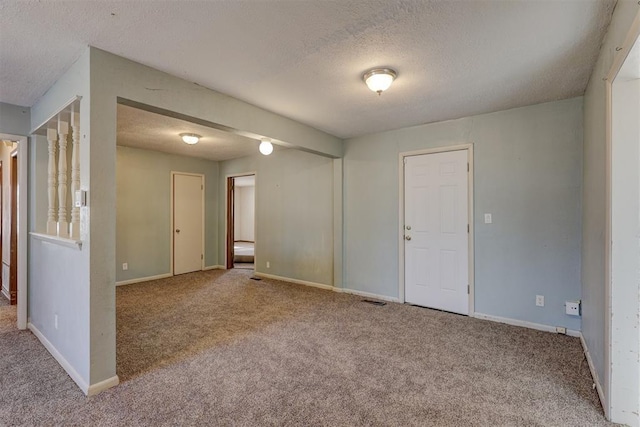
[487,218]
[125,265]
[540,300]
[561,330]
[55,321]
[572,308]
[268,264]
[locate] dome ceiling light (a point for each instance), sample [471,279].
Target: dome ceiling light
[379,79]
[266,147]
[190,138]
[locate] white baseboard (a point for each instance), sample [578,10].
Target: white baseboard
[89,390]
[214,267]
[327,287]
[594,373]
[75,376]
[103,385]
[522,323]
[143,279]
[296,281]
[367,295]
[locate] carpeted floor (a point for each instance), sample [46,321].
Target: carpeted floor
[216,348]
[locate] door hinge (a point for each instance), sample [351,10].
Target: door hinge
[468,229]
[404,160]
[201,256]
[468,289]
[201,186]
[467,167]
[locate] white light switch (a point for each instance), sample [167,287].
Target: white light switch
[487,219]
[80,198]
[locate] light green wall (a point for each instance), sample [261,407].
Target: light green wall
[294,213]
[14,119]
[143,215]
[528,169]
[54,287]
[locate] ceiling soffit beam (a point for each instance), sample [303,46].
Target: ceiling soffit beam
[217,126]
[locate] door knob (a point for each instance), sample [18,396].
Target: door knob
[408,227]
[407,237]
[177,230]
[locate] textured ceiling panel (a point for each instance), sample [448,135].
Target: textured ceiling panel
[151,131]
[305,59]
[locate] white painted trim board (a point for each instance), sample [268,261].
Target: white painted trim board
[618,60]
[592,368]
[522,323]
[296,281]
[161,276]
[75,376]
[143,279]
[214,267]
[103,385]
[367,294]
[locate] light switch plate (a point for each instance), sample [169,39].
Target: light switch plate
[487,218]
[80,198]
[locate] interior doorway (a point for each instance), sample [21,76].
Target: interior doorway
[622,385]
[13,246]
[241,222]
[13,215]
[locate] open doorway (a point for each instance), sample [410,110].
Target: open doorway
[169,210]
[13,245]
[622,383]
[241,221]
[8,218]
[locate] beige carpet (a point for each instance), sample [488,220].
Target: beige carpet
[216,348]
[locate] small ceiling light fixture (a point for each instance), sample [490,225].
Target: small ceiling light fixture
[379,79]
[266,147]
[190,138]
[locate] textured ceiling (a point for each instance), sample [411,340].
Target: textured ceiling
[151,131]
[304,59]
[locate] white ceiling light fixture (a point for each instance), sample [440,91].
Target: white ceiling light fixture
[266,147]
[379,79]
[190,138]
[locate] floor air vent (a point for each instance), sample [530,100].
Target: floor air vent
[372,302]
[255,278]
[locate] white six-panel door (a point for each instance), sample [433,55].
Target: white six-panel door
[188,233]
[436,231]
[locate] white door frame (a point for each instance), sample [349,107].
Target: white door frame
[172,225]
[618,61]
[23,232]
[23,212]
[255,216]
[401,251]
